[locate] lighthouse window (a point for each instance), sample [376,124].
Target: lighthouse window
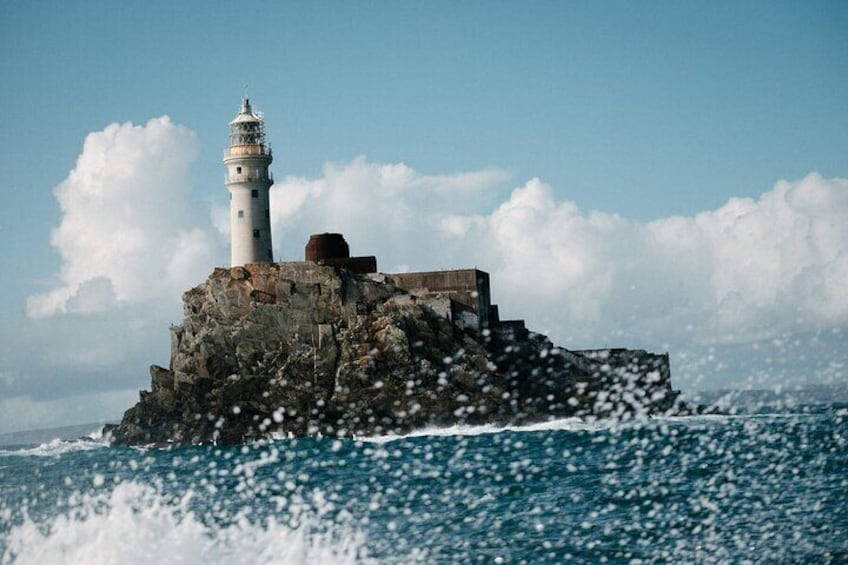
[241,214]
[254,193]
[238,170]
[255,233]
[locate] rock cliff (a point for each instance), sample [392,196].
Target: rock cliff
[298,348]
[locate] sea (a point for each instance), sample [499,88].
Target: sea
[764,485]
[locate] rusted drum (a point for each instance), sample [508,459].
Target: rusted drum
[325,246]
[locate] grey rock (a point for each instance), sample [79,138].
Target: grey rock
[298,348]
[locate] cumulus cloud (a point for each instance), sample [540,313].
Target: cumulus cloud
[745,271]
[130,230]
[710,287]
[749,270]
[60,370]
[24,413]
[131,239]
[390,208]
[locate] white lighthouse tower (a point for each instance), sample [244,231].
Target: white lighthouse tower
[249,181]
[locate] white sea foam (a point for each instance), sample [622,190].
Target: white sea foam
[727,418]
[96,434]
[56,447]
[568,424]
[134,524]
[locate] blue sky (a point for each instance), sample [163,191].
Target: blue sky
[643,111]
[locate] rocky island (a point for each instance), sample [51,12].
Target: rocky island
[330,346]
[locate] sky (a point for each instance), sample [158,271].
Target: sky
[664,175]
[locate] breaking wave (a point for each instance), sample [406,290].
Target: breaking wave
[571,425]
[703,489]
[135,524]
[57,447]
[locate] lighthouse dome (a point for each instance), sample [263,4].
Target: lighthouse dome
[246,114]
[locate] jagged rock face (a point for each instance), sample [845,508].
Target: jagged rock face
[298,348]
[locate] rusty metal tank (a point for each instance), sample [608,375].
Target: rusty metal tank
[326,246]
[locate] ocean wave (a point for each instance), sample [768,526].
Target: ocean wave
[135,524]
[97,434]
[573,425]
[57,447]
[567,424]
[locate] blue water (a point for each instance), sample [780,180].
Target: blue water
[764,488]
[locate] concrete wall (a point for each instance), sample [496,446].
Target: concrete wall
[468,287]
[635,361]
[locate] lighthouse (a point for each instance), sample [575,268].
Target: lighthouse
[249,181]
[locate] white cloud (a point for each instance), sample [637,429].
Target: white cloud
[749,270]
[392,209]
[130,231]
[24,413]
[132,239]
